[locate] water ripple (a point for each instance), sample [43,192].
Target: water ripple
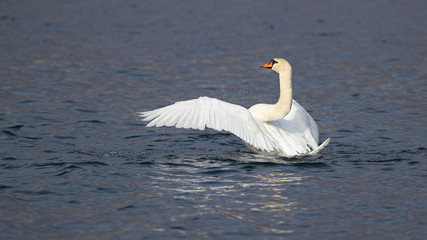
[75,161]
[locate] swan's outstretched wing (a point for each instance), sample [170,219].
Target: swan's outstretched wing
[212,113]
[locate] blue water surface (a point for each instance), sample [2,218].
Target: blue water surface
[77,163]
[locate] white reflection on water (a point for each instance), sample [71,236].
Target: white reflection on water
[275,186]
[268,207]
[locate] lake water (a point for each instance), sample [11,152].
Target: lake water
[76,163]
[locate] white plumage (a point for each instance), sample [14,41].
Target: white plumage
[284,128]
[212,113]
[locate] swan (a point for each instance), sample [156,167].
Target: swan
[284,128]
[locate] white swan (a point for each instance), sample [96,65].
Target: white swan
[284,128]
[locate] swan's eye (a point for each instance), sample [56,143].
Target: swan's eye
[273,62]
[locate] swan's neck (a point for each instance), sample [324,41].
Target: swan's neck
[273,112]
[283,106]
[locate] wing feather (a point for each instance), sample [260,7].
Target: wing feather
[212,113]
[181,117]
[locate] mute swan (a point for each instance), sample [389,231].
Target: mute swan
[284,128]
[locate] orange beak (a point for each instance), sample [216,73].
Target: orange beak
[267,65]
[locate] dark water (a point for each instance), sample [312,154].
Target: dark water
[75,163]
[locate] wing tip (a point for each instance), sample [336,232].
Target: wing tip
[321,147]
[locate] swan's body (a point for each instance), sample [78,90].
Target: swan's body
[284,128]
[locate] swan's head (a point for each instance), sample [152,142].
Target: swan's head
[278,65]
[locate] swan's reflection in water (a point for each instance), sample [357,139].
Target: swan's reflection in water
[258,196]
[274,207]
[276,185]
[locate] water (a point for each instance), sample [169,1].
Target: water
[75,162]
